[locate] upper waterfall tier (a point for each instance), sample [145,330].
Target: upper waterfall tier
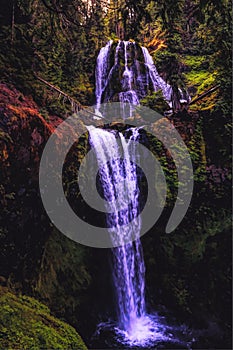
[125,72]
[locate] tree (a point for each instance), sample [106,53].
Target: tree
[125,18]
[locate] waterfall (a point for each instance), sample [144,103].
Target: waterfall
[125,72]
[158,82]
[101,72]
[117,157]
[120,188]
[129,95]
[129,77]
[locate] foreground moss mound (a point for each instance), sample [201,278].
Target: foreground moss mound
[25,323]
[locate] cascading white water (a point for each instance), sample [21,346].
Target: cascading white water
[120,188]
[101,72]
[158,82]
[134,80]
[128,95]
[116,157]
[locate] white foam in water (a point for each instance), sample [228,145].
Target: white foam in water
[145,331]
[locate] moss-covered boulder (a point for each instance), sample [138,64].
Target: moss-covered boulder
[25,323]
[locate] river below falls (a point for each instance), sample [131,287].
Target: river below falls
[150,331]
[156,331]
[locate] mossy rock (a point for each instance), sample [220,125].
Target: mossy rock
[25,323]
[156,102]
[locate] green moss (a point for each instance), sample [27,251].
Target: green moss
[25,323]
[201,80]
[197,151]
[199,77]
[195,62]
[64,277]
[156,102]
[213,224]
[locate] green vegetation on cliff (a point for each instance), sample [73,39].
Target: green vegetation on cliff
[27,324]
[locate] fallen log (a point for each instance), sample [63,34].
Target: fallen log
[73,102]
[76,105]
[214,88]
